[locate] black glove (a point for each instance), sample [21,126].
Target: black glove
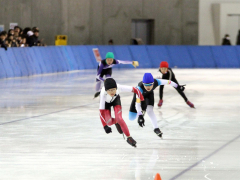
[181,87]
[141,120]
[107,129]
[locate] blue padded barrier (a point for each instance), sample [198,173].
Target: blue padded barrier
[123,53]
[139,53]
[3,73]
[35,61]
[83,57]
[15,63]
[21,61]
[43,62]
[65,63]
[77,53]
[23,54]
[10,63]
[58,59]
[52,58]
[232,60]
[38,53]
[180,56]
[158,54]
[50,63]
[56,62]
[69,57]
[238,53]
[202,56]
[226,56]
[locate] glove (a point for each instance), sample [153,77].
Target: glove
[141,120]
[107,129]
[136,91]
[135,63]
[181,87]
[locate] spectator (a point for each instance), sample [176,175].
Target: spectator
[137,41]
[238,38]
[5,34]
[226,40]
[110,42]
[33,38]
[11,31]
[25,31]
[2,40]
[20,38]
[7,43]
[11,41]
[16,31]
[23,42]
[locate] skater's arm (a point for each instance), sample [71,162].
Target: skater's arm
[102,108]
[102,99]
[138,102]
[123,88]
[123,62]
[164,82]
[134,63]
[138,106]
[99,72]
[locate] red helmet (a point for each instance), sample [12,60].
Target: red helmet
[164,64]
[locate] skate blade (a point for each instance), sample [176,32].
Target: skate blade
[160,136]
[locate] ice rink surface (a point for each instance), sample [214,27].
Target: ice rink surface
[50,129]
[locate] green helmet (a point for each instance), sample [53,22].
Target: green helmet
[110,55]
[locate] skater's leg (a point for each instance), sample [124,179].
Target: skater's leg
[161,92]
[120,121]
[107,115]
[98,85]
[182,94]
[179,91]
[132,111]
[152,116]
[160,96]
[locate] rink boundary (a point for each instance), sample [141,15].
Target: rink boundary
[205,158]
[46,114]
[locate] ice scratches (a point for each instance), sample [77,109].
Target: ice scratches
[207,177]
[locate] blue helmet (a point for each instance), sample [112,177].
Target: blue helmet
[148,79]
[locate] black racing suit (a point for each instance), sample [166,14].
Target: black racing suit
[170,76]
[148,97]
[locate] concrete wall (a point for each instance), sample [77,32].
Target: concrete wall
[97,21]
[209,21]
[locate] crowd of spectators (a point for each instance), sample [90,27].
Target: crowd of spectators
[19,37]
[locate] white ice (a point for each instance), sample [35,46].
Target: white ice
[50,129]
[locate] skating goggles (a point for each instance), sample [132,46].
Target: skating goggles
[147,84]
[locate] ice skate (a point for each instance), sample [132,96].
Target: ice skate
[190,104]
[131,141]
[96,95]
[160,103]
[158,132]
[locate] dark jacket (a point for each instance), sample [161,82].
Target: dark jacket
[32,41]
[238,38]
[226,41]
[3,45]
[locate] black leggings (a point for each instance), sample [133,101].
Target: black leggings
[179,91]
